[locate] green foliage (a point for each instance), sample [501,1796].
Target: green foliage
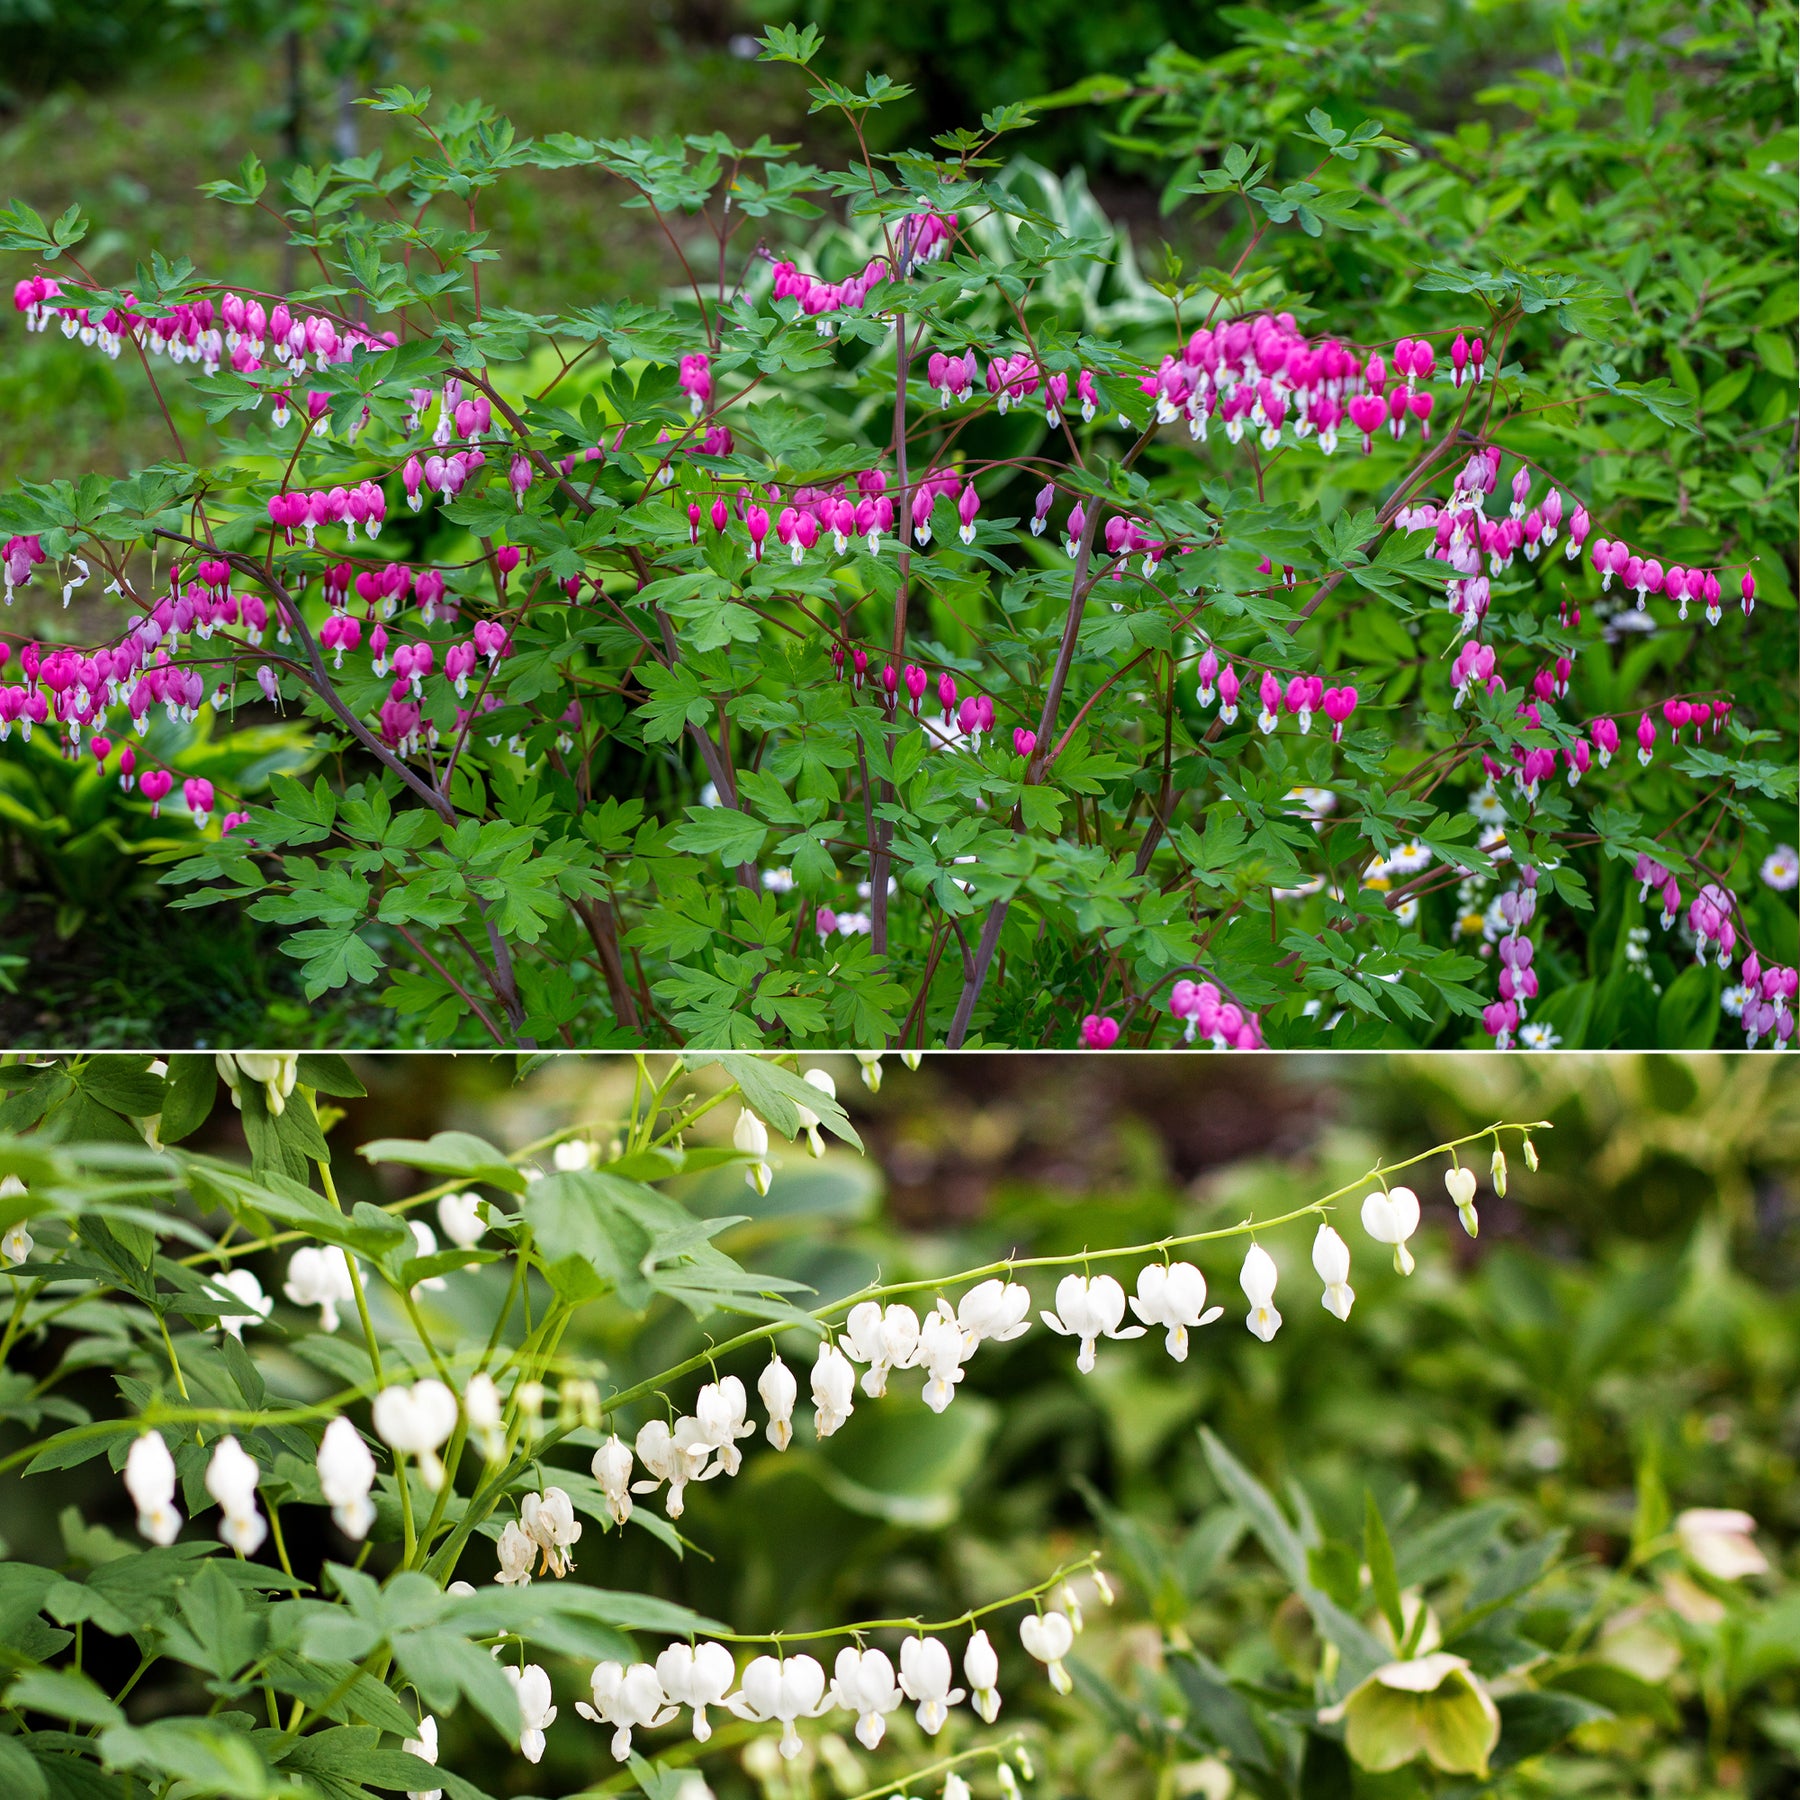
[1445,1539]
[674,818]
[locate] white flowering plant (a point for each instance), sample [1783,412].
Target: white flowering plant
[380,1499]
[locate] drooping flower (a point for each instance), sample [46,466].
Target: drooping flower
[346,1467]
[627,1698]
[809,1120]
[1257,1278]
[833,1389]
[781,1691]
[926,1678]
[275,1072]
[1174,1297]
[1089,1310]
[549,1521]
[1459,1183]
[697,1676]
[231,1478]
[778,1390]
[417,1420]
[885,1339]
[994,1311]
[463,1219]
[518,1556]
[863,1683]
[721,1411]
[531,1688]
[612,1469]
[751,1136]
[241,1285]
[486,1415]
[981,1669]
[150,1481]
[1391,1218]
[671,1457]
[425,1748]
[1049,1637]
[1331,1260]
[941,1352]
[319,1275]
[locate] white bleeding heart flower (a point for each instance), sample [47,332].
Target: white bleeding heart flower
[425,1244]
[549,1521]
[884,1338]
[463,1219]
[531,1688]
[1173,1297]
[697,1676]
[612,1467]
[721,1411]
[627,1698]
[1392,1218]
[320,1276]
[863,1683]
[1331,1260]
[242,1286]
[1257,1278]
[1089,1310]
[486,1415]
[671,1457]
[417,1420]
[810,1120]
[425,1748]
[778,1390]
[994,1311]
[780,1692]
[751,1136]
[981,1669]
[1459,1183]
[941,1352]
[1049,1637]
[926,1678]
[150,1481]
[346,1467]
[833,1389]
[518,1556]
[231,1478]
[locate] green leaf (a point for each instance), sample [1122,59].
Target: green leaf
[1378,1553]
[457,1153]
[189,1090]
[21,1775]
[720,831]
[216,1759]
[64,1694]
[775,1093]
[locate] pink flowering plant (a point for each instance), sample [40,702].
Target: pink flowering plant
[933,632]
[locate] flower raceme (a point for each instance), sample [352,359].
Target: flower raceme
[930,1669]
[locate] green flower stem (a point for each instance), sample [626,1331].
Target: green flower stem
[780,1638]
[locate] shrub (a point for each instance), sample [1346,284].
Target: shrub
[963,636]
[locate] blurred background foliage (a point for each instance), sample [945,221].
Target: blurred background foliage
[1636,155]
[1527,1411]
